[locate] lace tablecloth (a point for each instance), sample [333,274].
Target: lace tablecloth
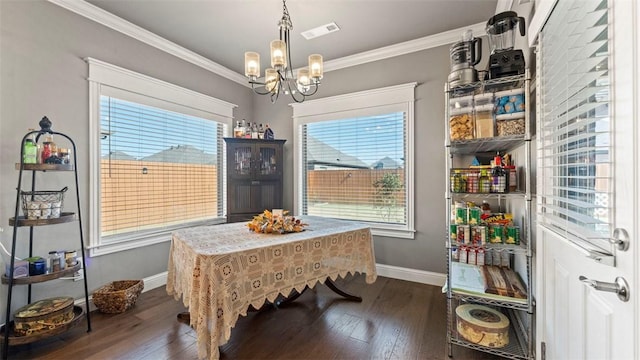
[220,270]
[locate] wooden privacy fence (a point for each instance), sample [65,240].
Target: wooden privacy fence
[354,186]
[139,194]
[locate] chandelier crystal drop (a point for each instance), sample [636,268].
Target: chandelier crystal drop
[279,77]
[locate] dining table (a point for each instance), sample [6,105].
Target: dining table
[223,271]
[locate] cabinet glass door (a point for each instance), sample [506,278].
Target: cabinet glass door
[268,162]
[241,157]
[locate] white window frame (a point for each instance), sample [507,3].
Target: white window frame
[103,75]
[398,98]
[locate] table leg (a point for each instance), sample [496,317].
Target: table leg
[184,316]
[331,285]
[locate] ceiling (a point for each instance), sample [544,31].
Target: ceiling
[222,30]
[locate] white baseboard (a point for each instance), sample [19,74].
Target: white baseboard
[419,276]
[394,272]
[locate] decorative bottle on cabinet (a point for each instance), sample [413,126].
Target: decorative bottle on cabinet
[490,306]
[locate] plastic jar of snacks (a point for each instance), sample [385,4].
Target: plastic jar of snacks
[461,119]
[484,121]
[510,101]
[510,124]
[461,124]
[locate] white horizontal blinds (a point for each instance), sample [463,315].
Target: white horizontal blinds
[354,168]
[575,125]
[159,169]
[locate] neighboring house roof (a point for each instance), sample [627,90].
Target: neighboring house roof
[386,163]
[118,155]
[321,153]
[183,154]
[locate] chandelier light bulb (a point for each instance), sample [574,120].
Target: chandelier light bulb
[315,66]
[271,80]
[252,64]
[278,51]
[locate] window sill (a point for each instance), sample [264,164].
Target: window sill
[395,233]
[137,241]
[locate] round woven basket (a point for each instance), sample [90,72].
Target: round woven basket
[117,296]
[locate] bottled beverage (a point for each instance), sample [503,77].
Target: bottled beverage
[498,176]
[243,127]
[254,131]
[30,150]
[247,131]
[260,132]
[48,149]
[237,131]
[268,133]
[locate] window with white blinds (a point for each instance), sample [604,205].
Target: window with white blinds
[574,135]
[355,164]
[159,169]
[157,158]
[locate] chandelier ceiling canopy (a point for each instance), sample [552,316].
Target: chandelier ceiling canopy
[279,77]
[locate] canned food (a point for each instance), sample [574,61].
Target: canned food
[488,258]
[513,235]
[479,235]
[464,254]
[505,259]
[461,215]
[480,256]
[453,232]
[463,234]
[70,257]
[497,234]
[474,215]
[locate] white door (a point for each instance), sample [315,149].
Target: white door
[573,319]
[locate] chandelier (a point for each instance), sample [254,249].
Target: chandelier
[279,77]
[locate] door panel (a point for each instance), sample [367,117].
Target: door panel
[574,320]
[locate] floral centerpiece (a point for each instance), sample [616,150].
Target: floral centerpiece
[268,223]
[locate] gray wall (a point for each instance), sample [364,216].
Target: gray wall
[42,71]
[430,69]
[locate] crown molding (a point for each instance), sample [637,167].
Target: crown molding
[407,47]
[107,19]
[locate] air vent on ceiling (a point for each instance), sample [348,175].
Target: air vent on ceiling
[320,31]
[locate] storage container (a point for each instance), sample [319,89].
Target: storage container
[483,99]
[510,124]
[461,102]
[510,101]
[461,124]
[482,325]
[43,315]
[484,121]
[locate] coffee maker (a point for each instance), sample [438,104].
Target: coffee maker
[504,59]
[464,55]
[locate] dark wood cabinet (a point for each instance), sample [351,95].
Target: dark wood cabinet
[254,177]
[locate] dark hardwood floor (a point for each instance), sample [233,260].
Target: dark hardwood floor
[396,320]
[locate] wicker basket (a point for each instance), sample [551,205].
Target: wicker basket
[117,296]
[42,204]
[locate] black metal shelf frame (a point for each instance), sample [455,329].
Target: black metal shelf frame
[45,128]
